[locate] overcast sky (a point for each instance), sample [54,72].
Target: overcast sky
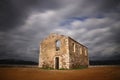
[94,23]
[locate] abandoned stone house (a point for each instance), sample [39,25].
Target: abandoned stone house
[59,51]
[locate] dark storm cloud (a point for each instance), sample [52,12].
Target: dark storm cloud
[110,5]
[104,4]
[13,13]
[96,8]
[116,32]
[10,15]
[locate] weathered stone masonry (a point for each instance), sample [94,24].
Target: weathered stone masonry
[59,51]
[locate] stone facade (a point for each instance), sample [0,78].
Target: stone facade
[59,51]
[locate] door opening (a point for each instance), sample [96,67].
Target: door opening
[57,63]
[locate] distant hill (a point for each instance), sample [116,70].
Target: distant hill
[105,62]
[17,62]
[22,62]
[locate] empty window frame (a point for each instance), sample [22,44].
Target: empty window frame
[85,51]
[58,44]
[73,45]
[80,50]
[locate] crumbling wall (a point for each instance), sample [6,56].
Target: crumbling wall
[71,54]
[48,52]
[78,54]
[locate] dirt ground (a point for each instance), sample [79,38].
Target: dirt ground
[92,73]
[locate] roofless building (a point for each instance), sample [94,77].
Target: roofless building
[59,51]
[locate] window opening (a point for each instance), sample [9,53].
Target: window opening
[58,43]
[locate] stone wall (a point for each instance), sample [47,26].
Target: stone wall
[48,52]
[78,54]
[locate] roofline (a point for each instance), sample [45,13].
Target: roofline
[77,42]
[64,36]
[50,35]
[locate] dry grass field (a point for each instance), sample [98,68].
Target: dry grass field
[92,73]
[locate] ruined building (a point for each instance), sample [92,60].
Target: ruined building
[59,51]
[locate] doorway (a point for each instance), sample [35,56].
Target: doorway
[57,63]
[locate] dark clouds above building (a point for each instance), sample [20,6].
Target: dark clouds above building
[24,23]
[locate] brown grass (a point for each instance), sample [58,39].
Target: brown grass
[92,73]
